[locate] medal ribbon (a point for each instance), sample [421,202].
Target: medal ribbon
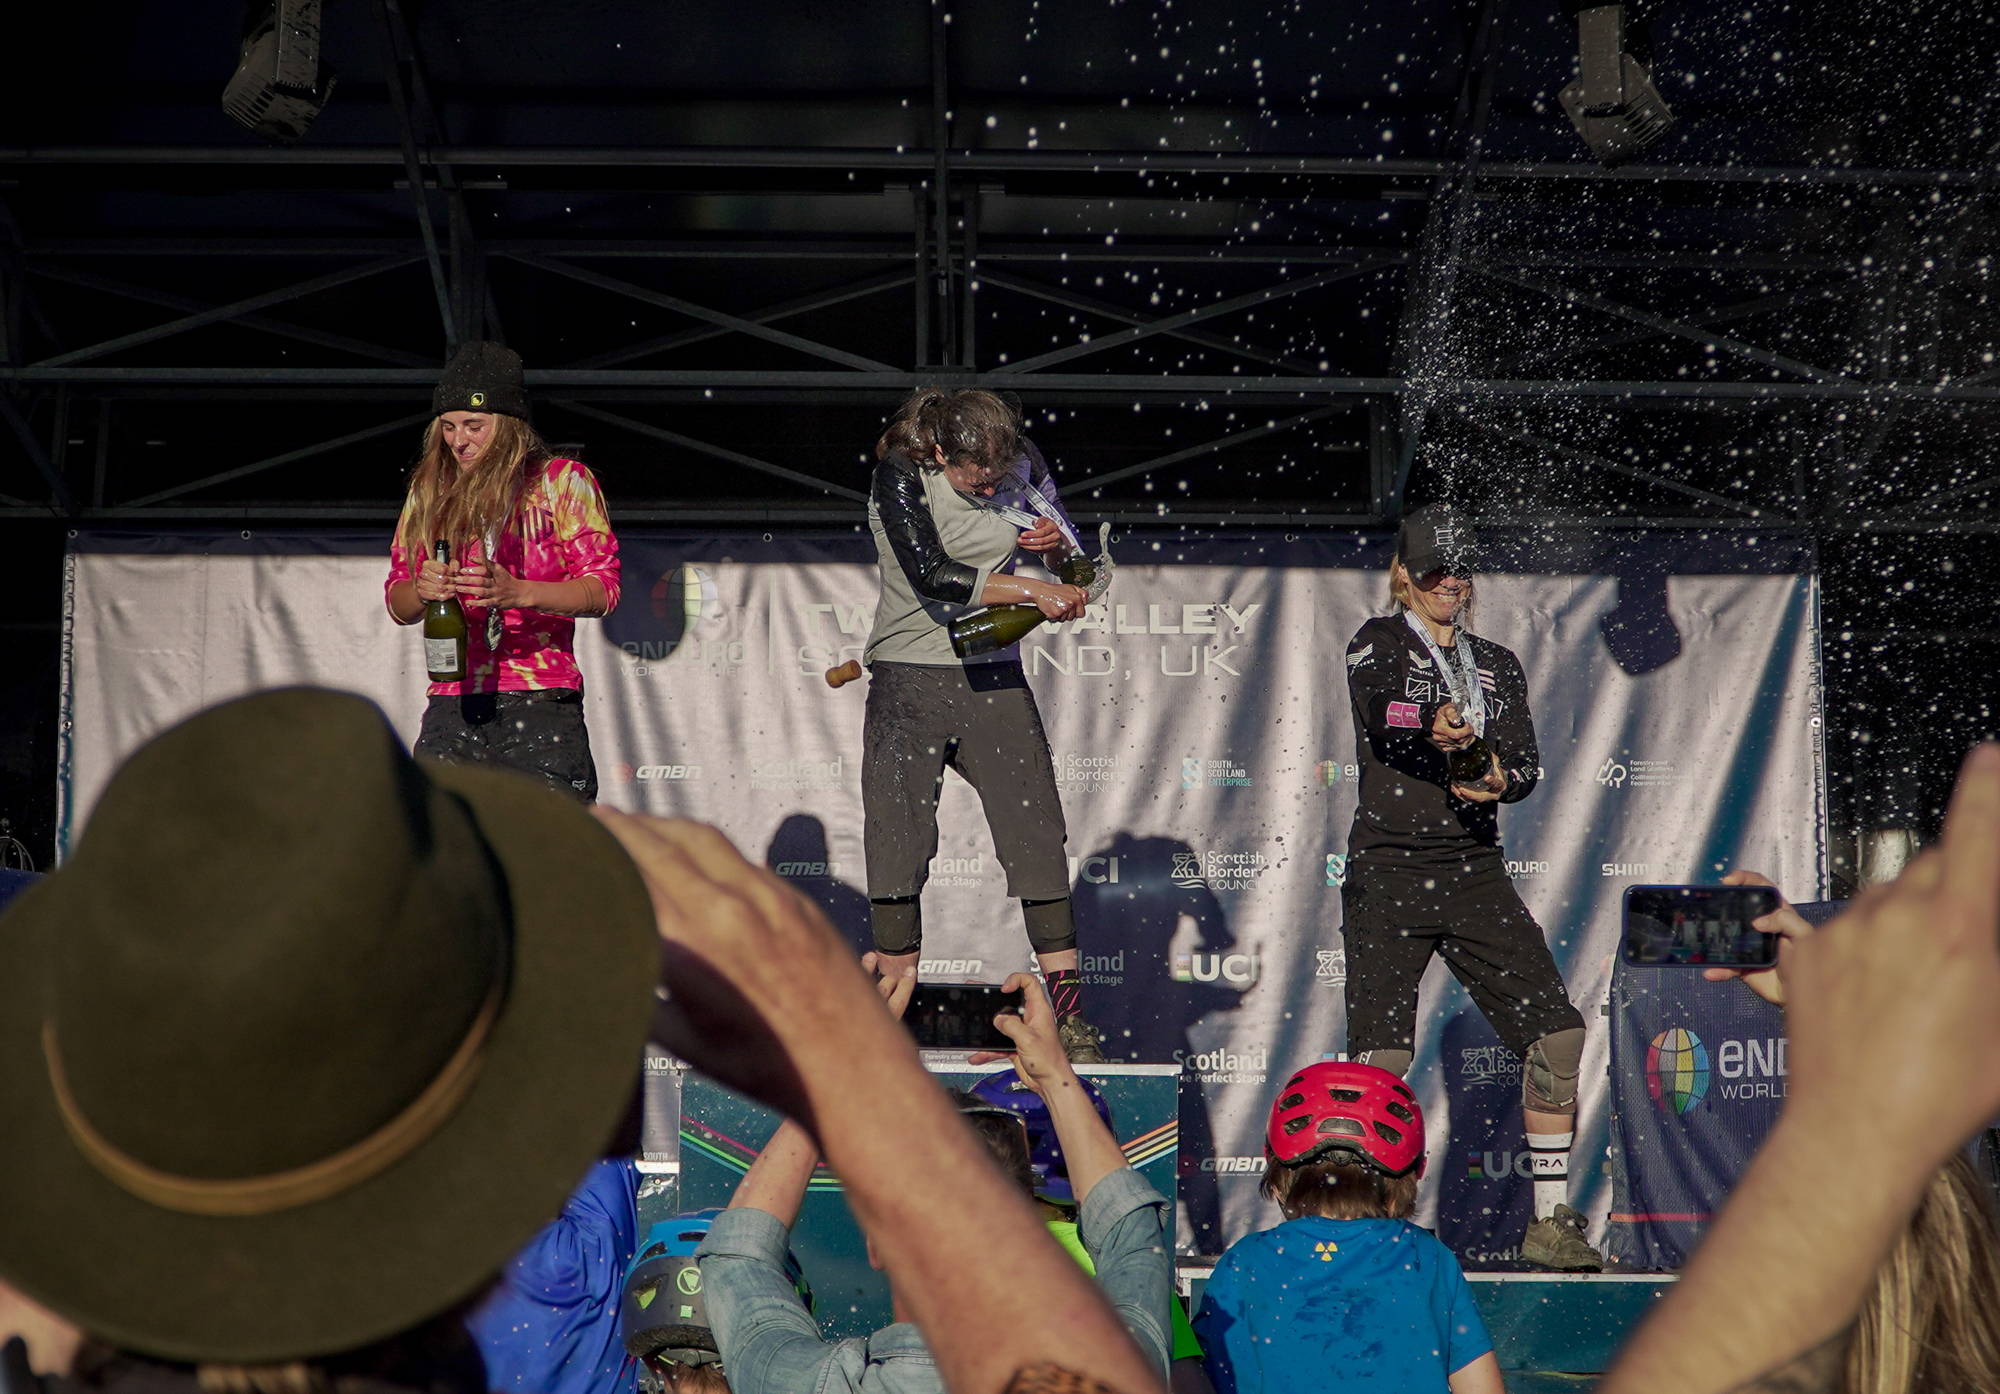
[1472,700]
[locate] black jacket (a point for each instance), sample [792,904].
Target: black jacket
[1406,808]
[897,491]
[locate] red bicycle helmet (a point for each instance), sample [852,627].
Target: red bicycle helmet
[1341,1106]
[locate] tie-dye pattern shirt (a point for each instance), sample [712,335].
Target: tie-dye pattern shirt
[561,533]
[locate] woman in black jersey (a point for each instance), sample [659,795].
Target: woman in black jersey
[1425,870]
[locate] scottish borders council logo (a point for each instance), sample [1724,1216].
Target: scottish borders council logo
[1677,1070]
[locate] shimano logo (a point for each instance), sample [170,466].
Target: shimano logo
[1647,870]
[667,772]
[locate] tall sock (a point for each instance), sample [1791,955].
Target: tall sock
[1548,1155]
[1065,992]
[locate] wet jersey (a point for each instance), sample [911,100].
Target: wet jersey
[1412,840]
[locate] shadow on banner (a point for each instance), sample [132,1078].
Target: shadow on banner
[1130,929]
[1485,1188]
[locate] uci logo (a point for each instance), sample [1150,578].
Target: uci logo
[1207,968]
[1094,871]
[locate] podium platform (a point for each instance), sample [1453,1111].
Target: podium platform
[1553,1332]
[700,1138]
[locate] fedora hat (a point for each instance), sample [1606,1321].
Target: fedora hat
[307,1038]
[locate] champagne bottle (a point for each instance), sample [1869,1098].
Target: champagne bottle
[1470,765]
[444,631]
[992,627]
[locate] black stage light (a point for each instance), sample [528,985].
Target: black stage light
[1613,103]
[279,84]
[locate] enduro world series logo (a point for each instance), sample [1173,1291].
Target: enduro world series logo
[1682,1071]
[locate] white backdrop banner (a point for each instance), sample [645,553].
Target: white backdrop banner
[1200,726]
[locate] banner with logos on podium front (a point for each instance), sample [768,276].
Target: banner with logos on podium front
[1202,739]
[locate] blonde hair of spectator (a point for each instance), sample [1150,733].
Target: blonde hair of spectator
[1932,1321]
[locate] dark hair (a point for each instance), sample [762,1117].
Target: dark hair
[971,424]
[1338,1188]
[1004,1134]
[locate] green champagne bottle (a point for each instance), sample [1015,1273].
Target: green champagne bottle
[444,631]
[1471,765]
[996,626]
[991,627]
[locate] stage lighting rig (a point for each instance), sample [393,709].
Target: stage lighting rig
[279,84]
[1613,103]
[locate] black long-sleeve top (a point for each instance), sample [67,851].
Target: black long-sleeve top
[1412,839]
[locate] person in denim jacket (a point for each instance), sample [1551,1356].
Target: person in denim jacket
[771,1344]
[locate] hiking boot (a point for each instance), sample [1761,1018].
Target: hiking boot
[1558,1242]
[1081,1041]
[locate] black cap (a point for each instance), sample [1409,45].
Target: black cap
[481,376]
[1437,538]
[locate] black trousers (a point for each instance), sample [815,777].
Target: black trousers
[1486,937]
[980,720]
[537,733]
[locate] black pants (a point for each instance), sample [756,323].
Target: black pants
[1486,937]
[538,733]
[982,721]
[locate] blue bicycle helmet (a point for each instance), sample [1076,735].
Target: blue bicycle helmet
[661,1315]
[1004,1089]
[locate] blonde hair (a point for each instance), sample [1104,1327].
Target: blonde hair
[1399,593]
[1932,1320]
[464,505]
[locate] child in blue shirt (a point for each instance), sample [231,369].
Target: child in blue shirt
[1346,1294]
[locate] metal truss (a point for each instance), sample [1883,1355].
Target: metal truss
[1542,348]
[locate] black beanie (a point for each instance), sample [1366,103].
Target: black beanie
[481,376]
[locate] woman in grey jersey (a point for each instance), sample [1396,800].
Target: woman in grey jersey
[958,493]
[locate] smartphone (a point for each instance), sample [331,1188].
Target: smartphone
[959,1016]
[1699,926]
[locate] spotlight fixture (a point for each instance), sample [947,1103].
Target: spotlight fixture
[1613,103]
[279,84]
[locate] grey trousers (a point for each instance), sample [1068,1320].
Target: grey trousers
[981,721]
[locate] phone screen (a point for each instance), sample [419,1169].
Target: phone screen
[1699,926]
[959,1016]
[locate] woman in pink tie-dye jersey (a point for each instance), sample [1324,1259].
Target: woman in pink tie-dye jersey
[532,550]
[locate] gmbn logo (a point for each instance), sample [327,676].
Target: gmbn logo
[1231,1166]
[807,869]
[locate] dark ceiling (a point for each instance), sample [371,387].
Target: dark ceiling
[1242,262]
[1245,262]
